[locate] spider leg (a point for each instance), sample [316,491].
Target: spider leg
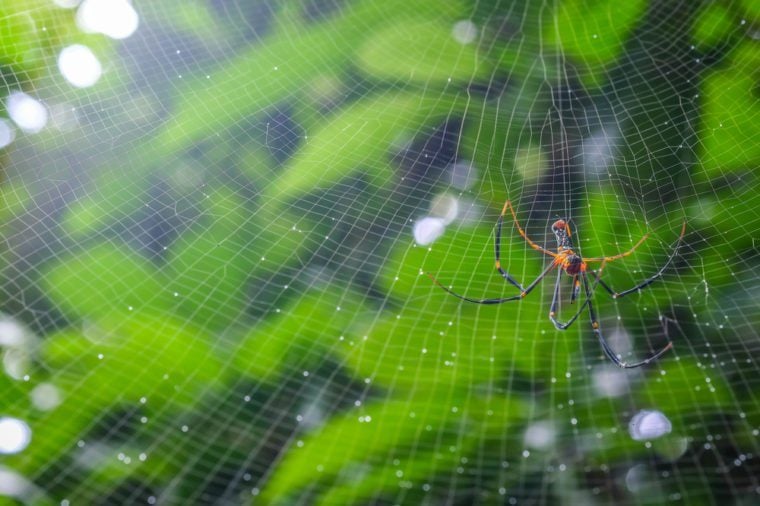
[619,255]
[605,346]
[646,282]
[555,303]
[508,205]
[607,287]
[641,241]
[576,288]
[497,251]
[519,296]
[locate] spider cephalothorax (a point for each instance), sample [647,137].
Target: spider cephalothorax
[562,232]
[567,260]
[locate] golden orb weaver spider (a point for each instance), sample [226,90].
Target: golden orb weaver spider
[567,260]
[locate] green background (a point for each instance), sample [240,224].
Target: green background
[215,267]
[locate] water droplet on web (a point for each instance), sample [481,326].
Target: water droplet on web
[115,18]
[428,229]
[464,31]
[45,396]
[649,424]
[27,112]
[540,435]
[79,65]
[7,134]
[15,435]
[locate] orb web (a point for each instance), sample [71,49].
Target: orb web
[218,219]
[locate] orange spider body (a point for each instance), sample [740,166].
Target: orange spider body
[567,259]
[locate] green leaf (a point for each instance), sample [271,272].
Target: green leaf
[366,487]
[116,362]
[354,452]
[530,162]
[714,25]
[423,51]
[729,123]
[21,40]
[287,338]
[211,264]
[751,9]
[14,199]
[593,32]
[497,140]
[104,279]
[360,138]
[132,355]
[720,265]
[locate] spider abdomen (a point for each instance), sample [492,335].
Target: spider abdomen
[572,264]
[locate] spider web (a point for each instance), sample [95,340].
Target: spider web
[214,256]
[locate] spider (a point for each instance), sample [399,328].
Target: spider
[569,261]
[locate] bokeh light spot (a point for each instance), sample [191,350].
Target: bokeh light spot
[79,66]
[114,18]
[27,112]
[649,424]
[428,229]
[15,435]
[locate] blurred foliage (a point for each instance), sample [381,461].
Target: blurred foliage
[215,268]
[594,33]
[32,33]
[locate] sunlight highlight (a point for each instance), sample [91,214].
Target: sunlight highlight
[598,151]
[13,484]
[428,229]
[463,175]
[7,134]
[465,31]
[445,207]
[114,18]
[66,4]
[540,435]
[79,66]
[609,381]
[45,396]
[28,113]
[15,435]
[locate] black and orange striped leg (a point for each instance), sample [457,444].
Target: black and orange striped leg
[497,252]
[640,286]
[499,300]
[555,302]
[576,288]
[605,346]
